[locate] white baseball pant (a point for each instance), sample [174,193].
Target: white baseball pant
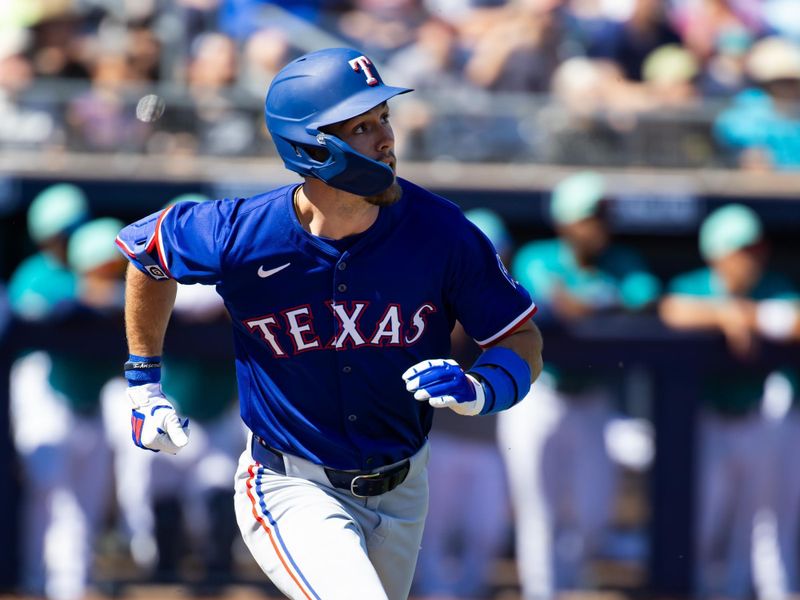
[562,484]
[317,542]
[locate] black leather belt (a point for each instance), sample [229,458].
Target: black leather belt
[358,483]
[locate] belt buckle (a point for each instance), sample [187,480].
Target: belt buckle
[356,478]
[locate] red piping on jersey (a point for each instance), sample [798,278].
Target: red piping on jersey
[263,524]
[124,247]
[156,241]
[522,320]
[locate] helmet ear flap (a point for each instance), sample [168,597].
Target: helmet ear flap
[351,171]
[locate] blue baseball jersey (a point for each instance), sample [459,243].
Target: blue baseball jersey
[322,329]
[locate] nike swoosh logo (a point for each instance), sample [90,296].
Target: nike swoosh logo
[264,274]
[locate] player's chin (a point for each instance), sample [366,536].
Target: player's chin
[388,196]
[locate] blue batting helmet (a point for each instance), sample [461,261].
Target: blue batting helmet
[319,89]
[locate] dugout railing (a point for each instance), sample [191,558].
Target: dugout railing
[674,362]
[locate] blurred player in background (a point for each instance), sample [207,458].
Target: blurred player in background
[43,280]
[467,477]
[40,284]
[58,428]
[562,479]
[342,292]
[736,295]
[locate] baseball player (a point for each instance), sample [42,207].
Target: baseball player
[342,292]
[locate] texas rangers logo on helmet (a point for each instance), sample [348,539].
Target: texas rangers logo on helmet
[363,64]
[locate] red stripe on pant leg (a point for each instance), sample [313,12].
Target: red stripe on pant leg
[266,528]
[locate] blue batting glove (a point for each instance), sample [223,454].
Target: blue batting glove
[154,423]
[443,383]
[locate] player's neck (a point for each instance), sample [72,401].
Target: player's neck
[327,212]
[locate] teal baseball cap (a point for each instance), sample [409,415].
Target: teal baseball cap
[92,245]
[492,226]
[729,229]
[577,197]
[56,210]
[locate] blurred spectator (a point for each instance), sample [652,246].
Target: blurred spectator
[663,137]
[265,52]
[562,480]
[762,127]
[143,53]
[434,61]
[101,119]
[59,50]
[737,296]
[23,124]
[669,73]
[452,46]
[213,64]
[57,427]
[459,552]
[223,127]
[725,72]
[704,23]
[630,41]
[591,109]
[517,50]
[379,27]
[457,11]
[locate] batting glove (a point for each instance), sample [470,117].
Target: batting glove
[154,423]
[442,382]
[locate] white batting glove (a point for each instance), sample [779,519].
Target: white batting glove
[154,423]
[443,383]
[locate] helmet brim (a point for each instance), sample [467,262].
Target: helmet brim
[356,105]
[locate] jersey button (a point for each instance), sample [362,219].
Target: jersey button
[352,417]
[341,287]
[347,369]
[341,266]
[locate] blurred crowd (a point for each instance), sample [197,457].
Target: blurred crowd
[549,474]
[582,82]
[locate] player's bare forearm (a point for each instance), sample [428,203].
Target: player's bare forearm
[527,342]
[688,312]
[148,305]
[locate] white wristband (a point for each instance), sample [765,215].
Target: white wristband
[776,319]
